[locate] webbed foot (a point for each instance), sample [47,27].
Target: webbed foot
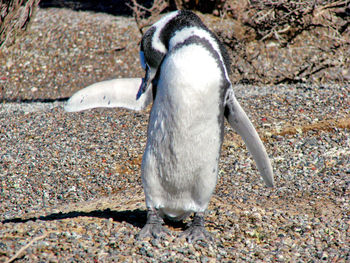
[196,230]
[154,226]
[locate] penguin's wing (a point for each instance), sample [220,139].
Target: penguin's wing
[110,93]
[240,122]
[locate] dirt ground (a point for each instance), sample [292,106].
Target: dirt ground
[70,183]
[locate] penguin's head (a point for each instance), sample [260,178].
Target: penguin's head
[155,42]
[153,49]
[150,58]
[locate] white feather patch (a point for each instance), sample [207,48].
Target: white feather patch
[182,35]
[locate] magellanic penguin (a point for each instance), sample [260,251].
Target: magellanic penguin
[187,77]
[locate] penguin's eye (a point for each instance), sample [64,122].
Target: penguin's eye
[142,60]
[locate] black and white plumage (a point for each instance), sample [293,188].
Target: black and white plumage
[187,78]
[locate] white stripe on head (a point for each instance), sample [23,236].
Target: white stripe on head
[156,43]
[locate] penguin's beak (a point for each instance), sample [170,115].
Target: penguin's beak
[145,83]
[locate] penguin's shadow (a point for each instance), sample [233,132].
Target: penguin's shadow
[136,217]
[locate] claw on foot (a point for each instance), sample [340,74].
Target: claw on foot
[196,230]
[154,226]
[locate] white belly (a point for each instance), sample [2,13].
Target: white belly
[179,168]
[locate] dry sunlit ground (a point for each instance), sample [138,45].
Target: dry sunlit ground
[70,182]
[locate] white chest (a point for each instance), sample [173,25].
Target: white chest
[183,145]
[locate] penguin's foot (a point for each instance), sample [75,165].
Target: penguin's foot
[196,230]
[153,227]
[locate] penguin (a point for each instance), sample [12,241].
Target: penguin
[187,78]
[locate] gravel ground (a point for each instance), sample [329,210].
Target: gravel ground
[70,182]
